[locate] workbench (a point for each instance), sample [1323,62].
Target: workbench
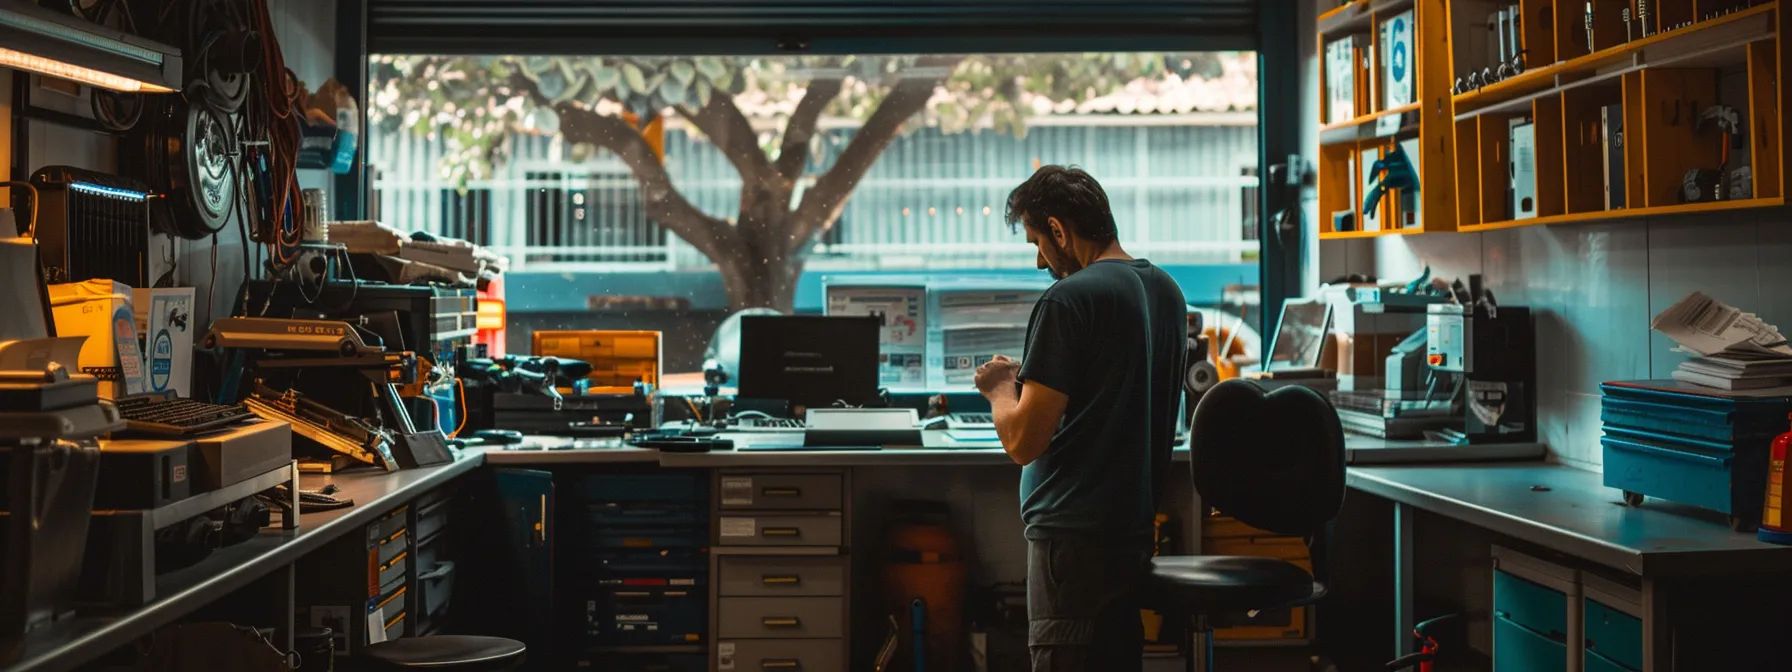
[1672,554]
[1692,571]
[85,637]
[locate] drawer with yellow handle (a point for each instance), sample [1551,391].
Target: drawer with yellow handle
[781,576]
[779,530]
[780,492]
[780,617]
[782,655]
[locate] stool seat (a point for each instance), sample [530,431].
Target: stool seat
[459,653]
[1217,584]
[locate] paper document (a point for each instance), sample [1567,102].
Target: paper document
[1705,326]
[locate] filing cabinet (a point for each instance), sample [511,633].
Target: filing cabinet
[783,584]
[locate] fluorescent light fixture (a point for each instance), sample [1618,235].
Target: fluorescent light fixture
[58,45]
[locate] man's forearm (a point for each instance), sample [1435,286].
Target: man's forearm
[1004,406]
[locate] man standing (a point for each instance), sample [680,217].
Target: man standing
[1091,416]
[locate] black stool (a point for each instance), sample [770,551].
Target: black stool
[1273,461]
[458,653]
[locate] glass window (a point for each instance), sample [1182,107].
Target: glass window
[666,193]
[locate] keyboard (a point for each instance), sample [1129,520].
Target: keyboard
[751,424]
[164,415]
[971,421]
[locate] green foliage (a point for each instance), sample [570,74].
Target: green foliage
[478,103]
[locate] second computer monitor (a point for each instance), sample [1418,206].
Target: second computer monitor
[809,360]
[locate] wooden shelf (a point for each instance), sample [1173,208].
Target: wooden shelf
[1357,17]
[1343,235]
[1354,17]
[1605,215]
[1674,47]
[1368,127]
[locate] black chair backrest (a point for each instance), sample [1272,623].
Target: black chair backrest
[1272,460]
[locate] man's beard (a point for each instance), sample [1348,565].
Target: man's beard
[1059,262]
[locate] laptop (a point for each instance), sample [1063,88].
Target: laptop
[1300,339]
[970,421]
[811,361]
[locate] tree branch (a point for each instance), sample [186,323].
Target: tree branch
[822,203]
[729,129]
[663,201]
[793,152]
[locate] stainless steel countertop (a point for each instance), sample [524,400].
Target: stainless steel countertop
[1577,515]
[76,641]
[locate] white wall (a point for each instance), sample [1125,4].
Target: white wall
[1593,289]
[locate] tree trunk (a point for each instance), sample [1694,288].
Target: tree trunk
[758,275]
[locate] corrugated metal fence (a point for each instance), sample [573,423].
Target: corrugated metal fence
[1182,194]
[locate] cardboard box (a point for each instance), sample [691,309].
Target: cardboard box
[101,311]
[165,316]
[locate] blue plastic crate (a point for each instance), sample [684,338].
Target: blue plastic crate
[686,537]
[660,514]
[644,488]
[1727,482]
[647,616]
[1744,445]
[1711,424]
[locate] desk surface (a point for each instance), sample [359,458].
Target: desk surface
[1577,515]
[938,448]
[72,642]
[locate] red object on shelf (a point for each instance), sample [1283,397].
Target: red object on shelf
[492,319]
[1774,516]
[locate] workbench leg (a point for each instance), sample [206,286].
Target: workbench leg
[1658,632]
[1403,579]
[285,603]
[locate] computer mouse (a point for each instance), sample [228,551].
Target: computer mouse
[934,423]
[499,437]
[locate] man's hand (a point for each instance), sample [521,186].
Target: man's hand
[999,373]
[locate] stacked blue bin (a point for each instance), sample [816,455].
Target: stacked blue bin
[1689,444]
[640,564]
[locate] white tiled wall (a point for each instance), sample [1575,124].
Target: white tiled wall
[1593,289]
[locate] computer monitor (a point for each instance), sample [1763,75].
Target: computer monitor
[1300,335]
[809,360]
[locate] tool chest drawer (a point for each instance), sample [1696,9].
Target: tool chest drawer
[780,492]
[781,576]
[776,530]
[782,655]
[780,617]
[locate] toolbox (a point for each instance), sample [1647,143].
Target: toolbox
[1684,443]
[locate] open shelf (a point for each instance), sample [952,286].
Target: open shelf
[1341,235]
[1682,209]
[1609,124]
[1690,46]
[1371,126]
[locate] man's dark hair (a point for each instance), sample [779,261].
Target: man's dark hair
[1071,195]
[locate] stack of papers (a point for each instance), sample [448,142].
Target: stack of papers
[1731,349]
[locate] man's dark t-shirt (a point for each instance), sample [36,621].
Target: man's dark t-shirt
[1113,338]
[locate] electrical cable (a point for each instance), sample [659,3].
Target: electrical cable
[461,392]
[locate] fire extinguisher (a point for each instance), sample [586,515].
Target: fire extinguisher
[1776,521]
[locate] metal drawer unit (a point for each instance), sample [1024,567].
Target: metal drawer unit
[782,597]
[362,586]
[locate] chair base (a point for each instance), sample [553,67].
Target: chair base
[1197,646]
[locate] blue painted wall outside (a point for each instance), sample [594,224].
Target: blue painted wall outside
[532,292]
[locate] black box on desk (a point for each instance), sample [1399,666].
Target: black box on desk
[142,474]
